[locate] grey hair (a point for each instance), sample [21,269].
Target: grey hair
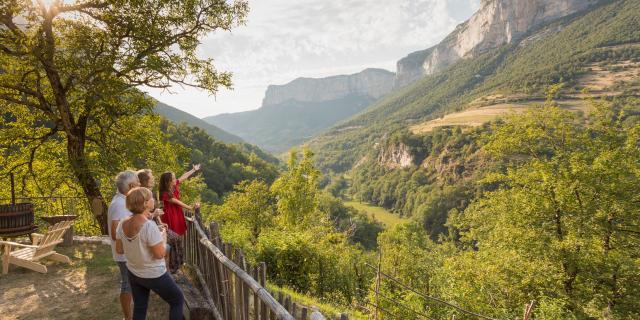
[124,179]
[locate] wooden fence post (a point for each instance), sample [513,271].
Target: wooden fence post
[228,283]
[214,230]
[256,301]
[264,311]
[287,303]
[378,283]
[528,309]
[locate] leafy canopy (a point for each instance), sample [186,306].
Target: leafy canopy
[70,73]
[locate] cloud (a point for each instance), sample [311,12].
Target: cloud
[286,39]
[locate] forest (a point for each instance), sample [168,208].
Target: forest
[536,207]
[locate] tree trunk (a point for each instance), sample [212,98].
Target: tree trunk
[75,151]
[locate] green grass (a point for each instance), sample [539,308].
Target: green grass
[328,310]
[383,215]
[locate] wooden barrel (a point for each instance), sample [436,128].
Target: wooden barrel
[16,219]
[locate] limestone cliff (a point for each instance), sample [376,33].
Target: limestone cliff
[395,156]
[373,83]
[497,22]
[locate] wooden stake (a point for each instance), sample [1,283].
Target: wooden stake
[378,283]
[528,309]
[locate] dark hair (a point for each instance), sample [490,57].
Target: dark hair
[165,184]
[144,176]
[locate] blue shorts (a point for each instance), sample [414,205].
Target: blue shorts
[125,286]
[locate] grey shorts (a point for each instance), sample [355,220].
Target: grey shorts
[125,287]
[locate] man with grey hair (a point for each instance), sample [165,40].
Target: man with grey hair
[125,181]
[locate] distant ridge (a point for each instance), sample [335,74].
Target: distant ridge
[178,116]
[370,82]
[295,112]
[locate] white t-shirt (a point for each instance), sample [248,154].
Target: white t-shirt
[117,211]
[137,249]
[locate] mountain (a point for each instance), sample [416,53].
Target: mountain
[179,116]
[498,22]
[583,49]
[418,151]
[294,112]
[369,82]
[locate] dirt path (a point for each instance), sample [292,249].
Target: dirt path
[87,289]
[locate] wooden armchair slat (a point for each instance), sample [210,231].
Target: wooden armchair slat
[43,246]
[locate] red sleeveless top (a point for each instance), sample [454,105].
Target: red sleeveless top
[173,215]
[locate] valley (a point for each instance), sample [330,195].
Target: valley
[387,218]
[495,169]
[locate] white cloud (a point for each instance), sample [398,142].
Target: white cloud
[286,39]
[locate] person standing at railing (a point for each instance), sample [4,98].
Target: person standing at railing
[144,245]
[118,211]
[148,181]
[173,213]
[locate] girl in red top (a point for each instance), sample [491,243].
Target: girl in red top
[170,196]
[173,214]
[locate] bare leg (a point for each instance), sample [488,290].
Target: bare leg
[127,305]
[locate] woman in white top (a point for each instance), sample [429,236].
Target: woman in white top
[144,245]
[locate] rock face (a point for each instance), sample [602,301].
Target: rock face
[496,23]
[395,156]
[370,82]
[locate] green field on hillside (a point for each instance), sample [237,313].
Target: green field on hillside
[383,215]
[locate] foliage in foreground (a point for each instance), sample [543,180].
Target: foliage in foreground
[310,242]
[70,73]
[560,228]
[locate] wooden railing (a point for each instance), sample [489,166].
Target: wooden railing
[227,281]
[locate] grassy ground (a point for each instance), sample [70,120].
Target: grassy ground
[86,289]
[388,218]
[479,116]
[328,310]
[599,80]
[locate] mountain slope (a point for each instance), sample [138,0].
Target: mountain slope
[279,127]
[179,116]
[497,22]
[562,51]
[294,112]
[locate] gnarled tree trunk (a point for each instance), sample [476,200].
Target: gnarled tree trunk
[78,161]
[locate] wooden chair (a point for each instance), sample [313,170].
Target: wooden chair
[42,247]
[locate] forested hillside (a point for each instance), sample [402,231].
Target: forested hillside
[509,179]
[294,112]
[562,52]
[224,165]
[276,128]
[178,116]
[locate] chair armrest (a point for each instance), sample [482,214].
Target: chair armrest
[35,238]
[15,244]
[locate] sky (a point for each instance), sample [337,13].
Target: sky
[286,39]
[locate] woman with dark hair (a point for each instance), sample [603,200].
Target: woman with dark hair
[174,214]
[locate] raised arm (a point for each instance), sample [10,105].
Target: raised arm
[188,174]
